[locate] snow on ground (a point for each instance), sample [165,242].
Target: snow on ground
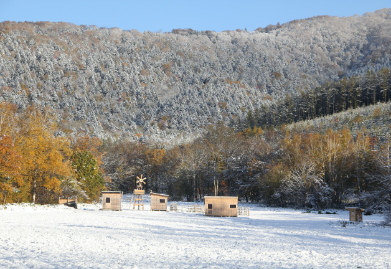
[56,236]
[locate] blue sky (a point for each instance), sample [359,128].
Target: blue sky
[153,15]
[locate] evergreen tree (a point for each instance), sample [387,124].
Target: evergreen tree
[88,174]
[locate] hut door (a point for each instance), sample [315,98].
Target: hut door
[108,202]
[210,209]
[352,216]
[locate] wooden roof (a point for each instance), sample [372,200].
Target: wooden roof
[159,194]
[354,208]
[222,197]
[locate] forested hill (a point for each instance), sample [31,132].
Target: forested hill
[116,83]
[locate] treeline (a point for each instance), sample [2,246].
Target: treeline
[332,97]
[38,166]
[276,168]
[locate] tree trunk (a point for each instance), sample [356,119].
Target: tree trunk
[34,193]
[194,188]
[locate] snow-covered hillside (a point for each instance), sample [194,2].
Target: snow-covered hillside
[156,86]
[61,237]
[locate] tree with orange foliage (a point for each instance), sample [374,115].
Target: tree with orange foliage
[45,156]
[255,131]
[10,167]
[90,144]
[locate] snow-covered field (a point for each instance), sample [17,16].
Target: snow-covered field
[62,237]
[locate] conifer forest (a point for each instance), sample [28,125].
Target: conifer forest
[294,115]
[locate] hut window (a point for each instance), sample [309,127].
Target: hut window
[209,206]
[232,206]
[162,201]
[108,200]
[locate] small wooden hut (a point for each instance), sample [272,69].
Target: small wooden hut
[355,213]
[67,200]
[221,206]
[159,201]
[71,202]
[111,200]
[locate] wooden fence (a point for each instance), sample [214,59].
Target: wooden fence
[189,208]
[243,211]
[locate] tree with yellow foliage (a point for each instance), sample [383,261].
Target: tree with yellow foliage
[10,168]
[255,131]
[90,144]
[45,156]
[10,161]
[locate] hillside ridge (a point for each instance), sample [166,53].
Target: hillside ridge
[168,86]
